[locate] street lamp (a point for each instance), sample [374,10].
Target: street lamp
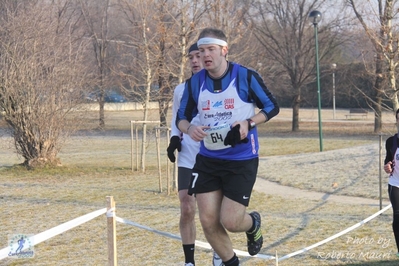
[315,17]
[333,67]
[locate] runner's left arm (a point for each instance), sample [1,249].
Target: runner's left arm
[259,94]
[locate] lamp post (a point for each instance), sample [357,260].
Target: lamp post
[333,67]
[315,16]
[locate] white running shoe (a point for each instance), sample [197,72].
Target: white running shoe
[189,264]
[217,261]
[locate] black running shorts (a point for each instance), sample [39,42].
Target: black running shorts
[236,179]
[183,177]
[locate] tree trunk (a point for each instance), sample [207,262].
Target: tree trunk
[163,110]
[102,118]
[377,117]
[377,107]
[378,88]
[295,113]
[148,75]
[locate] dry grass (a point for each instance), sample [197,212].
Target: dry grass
[97,164]
[41,200]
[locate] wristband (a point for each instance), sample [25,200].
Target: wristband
[251,124]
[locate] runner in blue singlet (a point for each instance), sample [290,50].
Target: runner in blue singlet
[224,96]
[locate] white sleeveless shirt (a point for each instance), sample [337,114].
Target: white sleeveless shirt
[220,110]
[394,176]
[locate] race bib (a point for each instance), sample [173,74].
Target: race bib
[215,138]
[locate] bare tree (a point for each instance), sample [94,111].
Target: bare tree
[140,64]
[166,71]
[41,73]
[378,22]
[286,34]
[177,20]
[153,61]
[234,19]
[96,17]
[187,21]
[154,48]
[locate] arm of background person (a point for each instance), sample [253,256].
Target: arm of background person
[187,109]
[177,94]
[388,155]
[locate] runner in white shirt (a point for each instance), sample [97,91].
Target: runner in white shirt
[188,149]
[391,167]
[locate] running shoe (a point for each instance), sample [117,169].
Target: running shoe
[255,238]
[217,261]
[189,264]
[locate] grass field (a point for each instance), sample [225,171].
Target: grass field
[98,164]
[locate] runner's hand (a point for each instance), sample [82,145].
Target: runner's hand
[175,143]
[233,137]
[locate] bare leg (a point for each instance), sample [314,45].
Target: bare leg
[218,213]
[234,217]
[187,215]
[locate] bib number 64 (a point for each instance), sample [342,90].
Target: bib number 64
[216,137]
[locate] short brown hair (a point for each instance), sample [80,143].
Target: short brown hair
[213,32]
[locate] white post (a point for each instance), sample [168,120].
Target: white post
[333,66]
[135,139]
[111,232]
[167,163]
[132,139]
[158,139]
[276,259]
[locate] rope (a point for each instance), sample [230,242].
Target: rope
[36,239]
[198,243]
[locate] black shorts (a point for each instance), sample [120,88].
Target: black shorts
[183,177]
[236,179]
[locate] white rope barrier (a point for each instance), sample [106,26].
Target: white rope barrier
[110,212]
[36,239]
[124,221]
[198,243]
[262,256]
[336,235]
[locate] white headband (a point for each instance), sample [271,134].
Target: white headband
[208,40]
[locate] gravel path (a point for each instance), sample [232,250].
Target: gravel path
[272,188]
[346,176]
